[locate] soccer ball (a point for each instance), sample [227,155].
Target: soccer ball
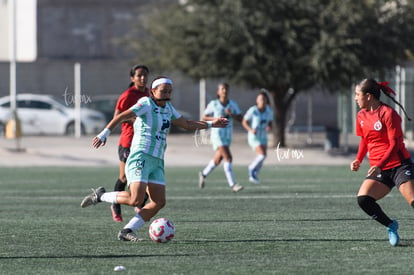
[161,230]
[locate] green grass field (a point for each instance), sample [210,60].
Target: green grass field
[300,220]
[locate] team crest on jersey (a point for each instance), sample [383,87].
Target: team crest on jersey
[378,126]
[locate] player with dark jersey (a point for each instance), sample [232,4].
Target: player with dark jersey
[136,90]
[379,127]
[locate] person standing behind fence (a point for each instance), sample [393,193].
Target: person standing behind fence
[258,122]
[379,127]
[221,137]
[137,89]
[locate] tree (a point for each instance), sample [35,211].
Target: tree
[284,46]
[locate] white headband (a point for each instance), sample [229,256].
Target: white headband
[160,81]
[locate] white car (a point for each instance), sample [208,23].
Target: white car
[45,114]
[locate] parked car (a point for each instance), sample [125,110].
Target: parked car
[106,104]
[45,114]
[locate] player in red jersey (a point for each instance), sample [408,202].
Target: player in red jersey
[137,89]
[379,127]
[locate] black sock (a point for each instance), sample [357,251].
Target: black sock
[119,185]
[372,208]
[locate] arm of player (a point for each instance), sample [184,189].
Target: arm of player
[100,139]
[245,124]
[194,125]
[362,151]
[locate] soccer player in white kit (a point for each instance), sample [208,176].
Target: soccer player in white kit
[145,165]
[258,122]
[221,138]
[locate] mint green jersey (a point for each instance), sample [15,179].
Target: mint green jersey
[151,127]
[258,121]
[222,136]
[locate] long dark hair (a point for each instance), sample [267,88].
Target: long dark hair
[266,97]
[134,68]
[373,87]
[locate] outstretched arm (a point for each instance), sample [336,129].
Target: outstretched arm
[100,139]
[194,125]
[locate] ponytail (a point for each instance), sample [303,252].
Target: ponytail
[383,86]
[373,87]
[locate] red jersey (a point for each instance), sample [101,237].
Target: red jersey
[125,101]
[381,136]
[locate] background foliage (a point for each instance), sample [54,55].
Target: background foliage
[286,46]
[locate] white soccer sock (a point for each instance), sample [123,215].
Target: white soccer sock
[135,223]
[209,168]
[228,170]
[110,197]
[257,163]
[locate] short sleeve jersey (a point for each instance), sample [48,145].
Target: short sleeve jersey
[259,121]
[377,128]
[151,127]
[216,109]
[125,101]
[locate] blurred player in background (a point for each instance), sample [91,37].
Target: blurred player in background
[379,127]
[137,89]
[221,137]
[258,121]
[145,165]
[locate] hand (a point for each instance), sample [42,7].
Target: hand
[355,165]
[228,113]
[374,171]
[97,142]
[220,122]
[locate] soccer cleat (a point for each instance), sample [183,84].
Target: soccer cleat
[128,235]
[254,180]
[116,212]
[236,188]
[201,180]
[253,176]
[93,198]
[393,233]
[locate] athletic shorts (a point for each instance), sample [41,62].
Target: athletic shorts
[397,175]
[123,153]
[145,168]
[254,141]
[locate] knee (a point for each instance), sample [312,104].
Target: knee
[365,201]
[137,203]
[217,161]
[160,203]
